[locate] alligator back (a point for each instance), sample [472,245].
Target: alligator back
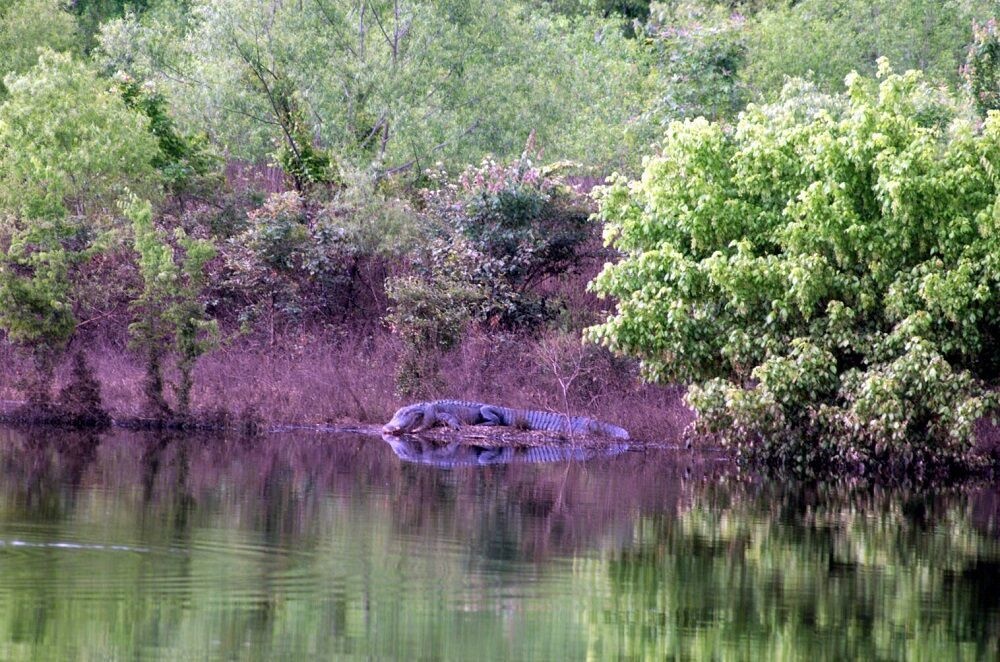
[533,419]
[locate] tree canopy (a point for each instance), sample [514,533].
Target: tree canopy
[401,84]
[825,272]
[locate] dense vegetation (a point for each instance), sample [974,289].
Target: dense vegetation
[826,271]
[812,247]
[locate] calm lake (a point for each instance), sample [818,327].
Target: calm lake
[308,546]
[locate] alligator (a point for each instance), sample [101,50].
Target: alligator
[456,454]
[456,413]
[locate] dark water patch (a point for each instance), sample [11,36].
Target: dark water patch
[169,546]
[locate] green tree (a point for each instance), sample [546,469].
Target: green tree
[171,315]
[982,67]
[292,259]
[184,161]
[699,55]
[501,231]
[630,9]
[68,145]
[826,39]
[28,25]
[36,308]
[90,14]
[392,85]
[825,273]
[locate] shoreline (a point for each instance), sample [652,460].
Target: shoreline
[493,437]
[349,382]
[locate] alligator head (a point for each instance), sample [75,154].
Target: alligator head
[405,420]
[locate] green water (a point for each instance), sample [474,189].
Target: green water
[128,546]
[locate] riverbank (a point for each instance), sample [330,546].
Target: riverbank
[348,380]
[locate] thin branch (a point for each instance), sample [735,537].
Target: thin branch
[110,313]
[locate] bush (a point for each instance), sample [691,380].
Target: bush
[511,227]
[429,315]
[502,230]
[825,273]
[297,258]
[290,258]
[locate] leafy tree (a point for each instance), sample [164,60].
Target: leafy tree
[827,40]
[825,273]
[68,145]
[394,85]
[699,55]
[304,259]
[171,315]
[36,307]
[631,9]
[28,25]
[184,161]
[305,163]
[90,14]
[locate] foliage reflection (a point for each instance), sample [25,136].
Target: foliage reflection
[131,545]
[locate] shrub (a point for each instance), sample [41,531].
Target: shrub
[825,273]
[502,230]
[512,227]
[298,258]
[429,315]
[170,313]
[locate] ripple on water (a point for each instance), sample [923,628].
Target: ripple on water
[38,565]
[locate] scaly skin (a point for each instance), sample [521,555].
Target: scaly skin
[456,413]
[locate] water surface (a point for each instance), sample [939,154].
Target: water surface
[134,546]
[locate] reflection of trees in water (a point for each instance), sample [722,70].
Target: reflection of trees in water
[520,510]
[532,511]
[843,572]
[672,555]
[46,467]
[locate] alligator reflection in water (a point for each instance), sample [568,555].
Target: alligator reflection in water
[457,454]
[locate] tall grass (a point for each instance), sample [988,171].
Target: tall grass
[351,379]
